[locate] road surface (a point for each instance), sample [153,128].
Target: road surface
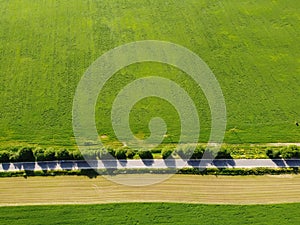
[148,164]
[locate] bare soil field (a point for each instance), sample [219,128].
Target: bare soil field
[178,188]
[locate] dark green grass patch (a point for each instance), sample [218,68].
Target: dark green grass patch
[152,213]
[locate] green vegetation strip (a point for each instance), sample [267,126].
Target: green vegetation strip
[152,213]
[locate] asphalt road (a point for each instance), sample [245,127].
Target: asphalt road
[150,164]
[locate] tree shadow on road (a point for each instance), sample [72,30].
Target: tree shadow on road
[170,162]
[148,162]
[6,166]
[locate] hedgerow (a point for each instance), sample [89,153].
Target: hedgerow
[30,154]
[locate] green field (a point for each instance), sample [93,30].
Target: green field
[152,213]
[253,49]
[251,46]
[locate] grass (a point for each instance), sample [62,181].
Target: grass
[251,46]
[152,213]
[172,188]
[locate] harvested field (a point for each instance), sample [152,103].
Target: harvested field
[179,188]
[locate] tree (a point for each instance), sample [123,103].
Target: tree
[4,157]
[290,152]
[295,151]
[111,151]
[185,152]
[276,154]
[121,154]
[89,154]
[198,153]
[167,153]
[14,157]
[49,154]
[63,154]
[77,155]
[270,153]
[26,154]
[107,153]
[39,154]
[130,153]
[145,154]
[223,154]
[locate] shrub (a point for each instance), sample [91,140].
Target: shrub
[63,154]
[145,154]
[121,154]
[26,155]
[166,153]
[4,157]
[49,154]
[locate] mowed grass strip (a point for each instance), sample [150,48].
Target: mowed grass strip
[178,188]
[152,213]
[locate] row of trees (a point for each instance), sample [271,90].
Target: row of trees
[122,154]
[29,154]
[289,152]
[197,152]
